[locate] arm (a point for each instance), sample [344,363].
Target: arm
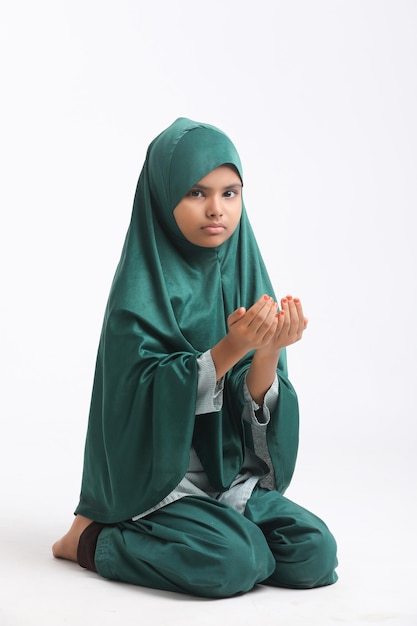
[262,374]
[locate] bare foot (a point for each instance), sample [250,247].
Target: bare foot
[66,547]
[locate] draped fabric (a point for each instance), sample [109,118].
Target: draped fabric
[169,303]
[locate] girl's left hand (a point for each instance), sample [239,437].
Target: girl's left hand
[290,325]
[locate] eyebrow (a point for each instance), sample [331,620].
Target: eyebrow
[198,186]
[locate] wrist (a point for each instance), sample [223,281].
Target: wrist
[262,372]
[226,354]
[267,355]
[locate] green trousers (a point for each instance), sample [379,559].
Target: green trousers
[202,547]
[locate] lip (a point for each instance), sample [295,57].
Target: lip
[214,229]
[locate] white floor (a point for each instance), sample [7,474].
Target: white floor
[367,498]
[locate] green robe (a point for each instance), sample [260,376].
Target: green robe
[168,303]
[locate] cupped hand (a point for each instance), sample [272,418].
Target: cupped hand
[290,324]
[253,328]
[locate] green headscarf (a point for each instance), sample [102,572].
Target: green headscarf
[169,302]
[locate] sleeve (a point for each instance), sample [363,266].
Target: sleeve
[260,415]
[209,391]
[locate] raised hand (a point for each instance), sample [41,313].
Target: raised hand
[266,331]
[290,324]
[253,328]
[249,329]
[289,327]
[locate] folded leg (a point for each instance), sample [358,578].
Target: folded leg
[194,545]
[302,545]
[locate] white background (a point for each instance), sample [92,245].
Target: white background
[320,98]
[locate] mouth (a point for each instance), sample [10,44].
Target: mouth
[214,229]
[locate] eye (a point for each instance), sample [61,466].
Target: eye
[230,193]
[195,193]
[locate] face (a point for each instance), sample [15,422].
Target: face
[210,211]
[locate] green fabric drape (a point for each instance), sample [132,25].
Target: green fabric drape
[169,303]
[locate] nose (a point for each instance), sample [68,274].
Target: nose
[214,206]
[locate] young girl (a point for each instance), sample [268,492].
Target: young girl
[193,427]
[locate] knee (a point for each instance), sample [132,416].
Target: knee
[309,563]
[320,560]
[236,565]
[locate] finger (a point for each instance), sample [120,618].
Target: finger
[280,316]
[286,322]
[294,330]
[236,315]
[267,328]
[259,311]
[263,325]
[301,318]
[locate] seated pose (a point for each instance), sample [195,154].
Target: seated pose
[193,428]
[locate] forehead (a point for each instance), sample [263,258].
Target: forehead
[224,175]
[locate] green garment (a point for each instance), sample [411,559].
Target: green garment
[169,303]
[206,548]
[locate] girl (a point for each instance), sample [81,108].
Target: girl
[193,427]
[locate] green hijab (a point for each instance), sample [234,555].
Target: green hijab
[169,303]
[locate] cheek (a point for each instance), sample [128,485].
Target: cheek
[180,216]
[238,215]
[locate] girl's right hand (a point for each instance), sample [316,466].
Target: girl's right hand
[253,328]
